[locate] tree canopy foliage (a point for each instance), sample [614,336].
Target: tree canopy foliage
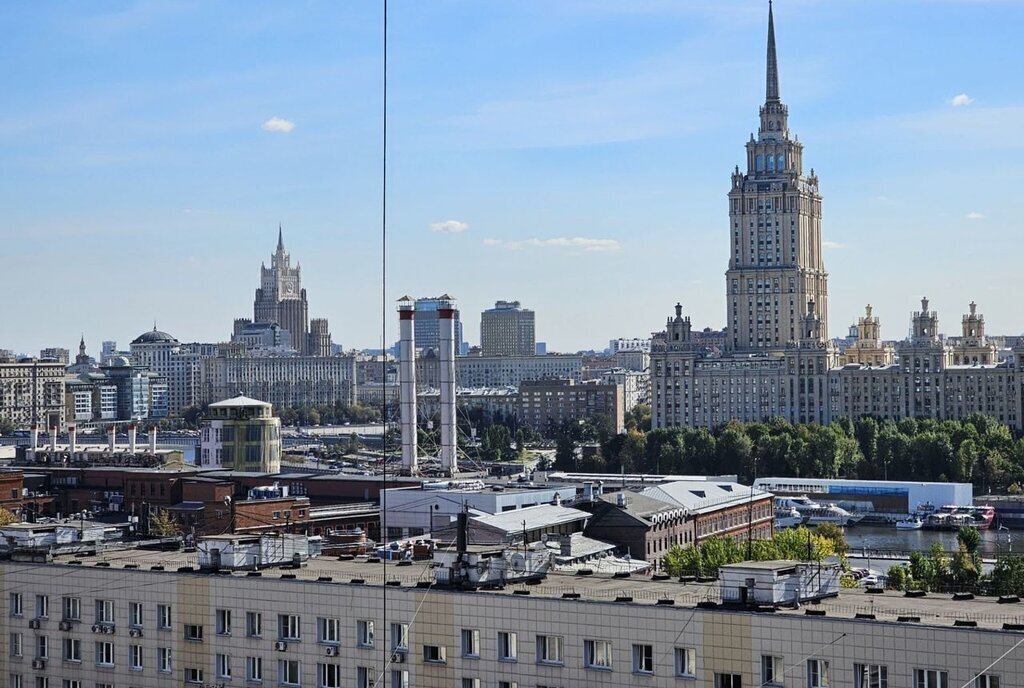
[705,558]
[976,449]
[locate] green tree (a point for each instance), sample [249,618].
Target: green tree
[1008,575]
[639,418]
[734,451]
[898,577]
[7,426]
[162,525]
[963,568]
[7,517]
[969,538]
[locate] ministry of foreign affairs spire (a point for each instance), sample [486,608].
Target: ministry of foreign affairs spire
[280,238]
[772,73]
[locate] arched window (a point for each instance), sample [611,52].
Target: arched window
[780,162]
[759,163]
[771,163]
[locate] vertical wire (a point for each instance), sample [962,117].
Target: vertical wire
[384,631]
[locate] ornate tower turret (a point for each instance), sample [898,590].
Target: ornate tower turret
[775,261]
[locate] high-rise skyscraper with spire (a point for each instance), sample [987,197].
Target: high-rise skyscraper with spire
[778,360]
[281,299]
[776,275]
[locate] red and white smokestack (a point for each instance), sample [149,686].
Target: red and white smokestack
[407,382]
[111,438]
[34,435]
[131,438]
[446,344]
[152,439]
[72,440]
[53,438]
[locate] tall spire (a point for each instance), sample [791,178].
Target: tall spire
[772,74]
[280,239]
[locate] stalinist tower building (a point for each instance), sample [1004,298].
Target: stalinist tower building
[281,299]
[775,265]
[778,360]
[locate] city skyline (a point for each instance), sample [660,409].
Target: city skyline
[560,155]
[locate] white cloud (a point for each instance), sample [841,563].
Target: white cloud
[961,100]
[579,243]
[449,226]
[832,244]
[975,215]
[278,125]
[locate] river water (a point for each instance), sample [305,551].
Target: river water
[887,538]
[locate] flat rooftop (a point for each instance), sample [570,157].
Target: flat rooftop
[936,609]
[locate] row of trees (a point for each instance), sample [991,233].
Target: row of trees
[800,543]
[937,570]
[976,449]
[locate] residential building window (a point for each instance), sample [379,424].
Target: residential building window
[288,672]
[163,659]
[328,675]
[72,651]
[253,624]
[135,614]
[930,678]
[400,637]
[42,682]
[254,669]
[289,627]
[71,683]
[223,622]
[771,670]
[364,677]
[328,631]
[434,654]
[686,661]
[728,681]
[818,674]
[223,666]
[42,606]
[870,676]
[549,649]
[104,611]
[15,645]
[14,681]
[597,654]
[42,647]
[364,633]
[193,675]
[470,683]
[194,632]
[163,617]
[986,681]
[470,642]
[135,657]
[508,646]
[643,659]
[16,604]
[72,608]
[508,684]
[104,653]
[399,679]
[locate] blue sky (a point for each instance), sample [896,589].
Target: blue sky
[582,147]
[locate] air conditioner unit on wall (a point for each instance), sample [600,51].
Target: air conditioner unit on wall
[33,623]
[281,646]
[65,625]
[135,632]
[332,652]
[38,663]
